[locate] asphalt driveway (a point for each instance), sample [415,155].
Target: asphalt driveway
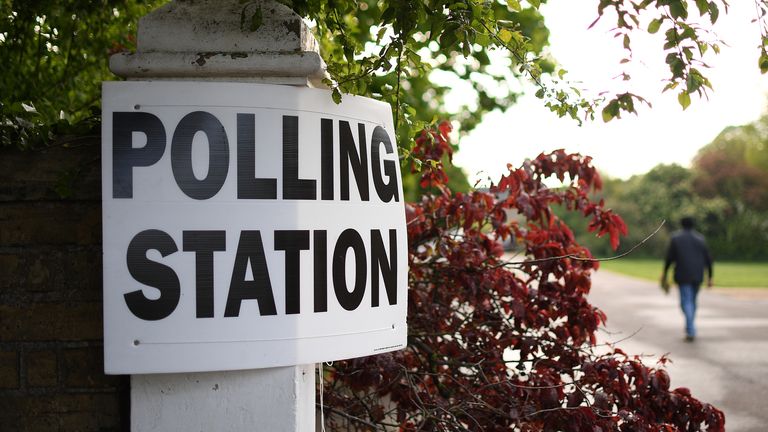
[726,366]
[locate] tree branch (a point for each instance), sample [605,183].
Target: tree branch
[583,259]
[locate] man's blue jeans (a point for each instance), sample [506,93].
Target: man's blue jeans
[688,294]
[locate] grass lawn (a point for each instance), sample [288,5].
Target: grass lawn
[727,274]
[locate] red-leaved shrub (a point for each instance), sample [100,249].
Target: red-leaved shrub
[496,344]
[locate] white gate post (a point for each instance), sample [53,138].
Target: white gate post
[224,40]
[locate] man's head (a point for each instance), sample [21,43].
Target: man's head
[687,222]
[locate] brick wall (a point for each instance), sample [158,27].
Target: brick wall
[51,362]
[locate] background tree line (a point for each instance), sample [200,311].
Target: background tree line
[725,190]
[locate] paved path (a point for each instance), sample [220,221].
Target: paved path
[726,366]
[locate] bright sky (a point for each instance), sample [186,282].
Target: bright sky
[634,144]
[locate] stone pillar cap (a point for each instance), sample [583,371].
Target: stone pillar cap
[227,40]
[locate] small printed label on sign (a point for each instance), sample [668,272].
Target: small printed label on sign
[248,226]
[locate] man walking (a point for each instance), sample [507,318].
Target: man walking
[689,252]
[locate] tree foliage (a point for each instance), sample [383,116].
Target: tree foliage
[726,191]
[394,49]
[744,150]
[686,43]
[496,345]
[54,55]
[665,193]
[734,169]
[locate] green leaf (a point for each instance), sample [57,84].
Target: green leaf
[692,84]
[763,62]
[671,58]
[688,53]
[688,32]
[336,96]
[654,25]
[627,103]
[607,115]
[381,33]
[436,27]
[482,39]
[611,111]
[505,35]
[535,3]
[714,12]
[514,5]
[670,86]
[703,6]
[448,38]
[684,99]
[388,15]
[678,9]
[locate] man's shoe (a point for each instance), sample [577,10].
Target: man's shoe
[689,338]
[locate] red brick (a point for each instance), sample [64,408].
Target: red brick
[84,368]
[9,263]
[89,421]
[57,273]
[50,223]
[26,175]
[51,321]
[9,369]
[41,422]
[71,412]
[42,368]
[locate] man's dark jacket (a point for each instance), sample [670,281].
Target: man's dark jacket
[689,252]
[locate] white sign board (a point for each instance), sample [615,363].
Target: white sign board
[248,226]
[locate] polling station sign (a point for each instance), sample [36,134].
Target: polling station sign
[248,226]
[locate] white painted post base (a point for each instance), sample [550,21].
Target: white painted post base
[204,40]
[276,399]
